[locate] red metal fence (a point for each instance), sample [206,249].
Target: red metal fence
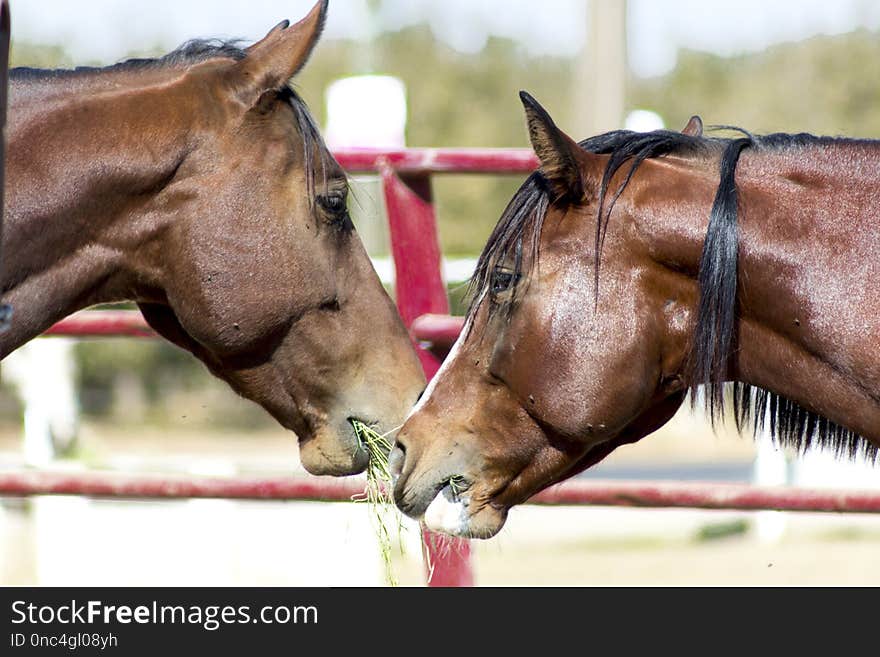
[422,302]
[642,494]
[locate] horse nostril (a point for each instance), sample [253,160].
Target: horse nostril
[331,305]
[396,459]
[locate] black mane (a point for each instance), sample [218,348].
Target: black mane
[715,332]
[527,209]
[187,54]
[194,52]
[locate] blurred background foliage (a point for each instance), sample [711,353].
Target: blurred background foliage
[824,85]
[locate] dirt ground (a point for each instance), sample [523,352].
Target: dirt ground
[848,555]
[540,546]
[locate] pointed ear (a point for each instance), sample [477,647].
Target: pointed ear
[694,127]
[562,160]
[273,61]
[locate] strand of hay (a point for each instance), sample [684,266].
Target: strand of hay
[457,485]
[377,494]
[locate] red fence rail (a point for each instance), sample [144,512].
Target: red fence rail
[645,494]
[104,324]
[421,298]
[428,161]
[438,330]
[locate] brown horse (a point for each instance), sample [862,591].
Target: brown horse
[198,185]
[621,276]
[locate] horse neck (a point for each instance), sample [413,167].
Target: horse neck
[86,158]
[807,295]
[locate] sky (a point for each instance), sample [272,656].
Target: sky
[104,31]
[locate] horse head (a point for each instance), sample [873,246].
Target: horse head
[198,185]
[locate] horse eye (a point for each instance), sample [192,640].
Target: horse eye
[502,280]
[333,203]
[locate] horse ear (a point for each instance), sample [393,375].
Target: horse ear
[694,127]
[562,160]
[273,61]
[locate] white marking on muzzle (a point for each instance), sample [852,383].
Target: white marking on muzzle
[447,515]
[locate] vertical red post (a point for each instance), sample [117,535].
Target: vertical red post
[419,289]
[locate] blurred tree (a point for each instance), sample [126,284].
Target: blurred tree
[454,99]
[23,53]
[828,85]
